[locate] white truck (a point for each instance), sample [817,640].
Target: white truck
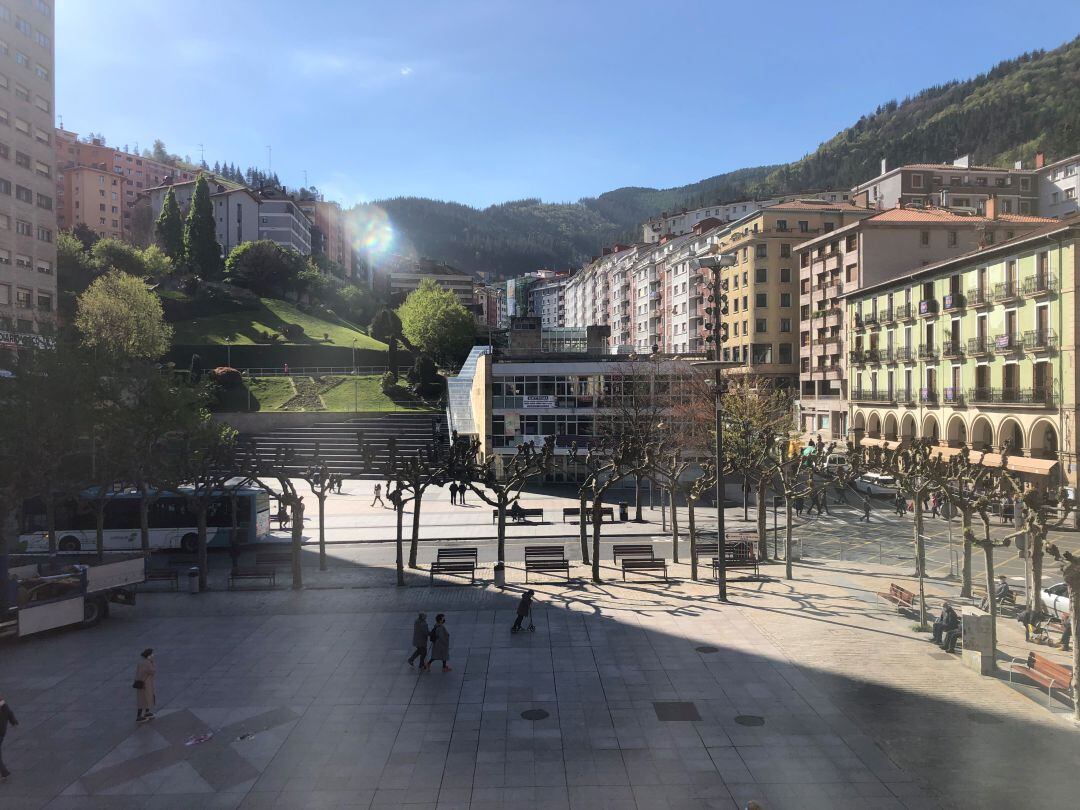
[41,592]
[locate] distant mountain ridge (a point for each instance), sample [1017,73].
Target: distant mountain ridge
[1020,106]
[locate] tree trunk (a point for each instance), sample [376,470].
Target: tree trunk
[583,506]
[50,522]
[597,505]
[414,543]
[400,559]
[322,529]
[296,508]
[637,498]
[920,561]
[988,552]
[745,499]
[1037,541]
[762,521]
[672,492]
[968,536]
[692,530]
[1074,618]
[201,556]
[99,530]
[501,545]
[787,539]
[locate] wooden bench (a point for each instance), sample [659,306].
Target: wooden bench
[164,574]
[273,558]
[546,559]
[454,561]
[253,572]
[638,550]
[706,549]
[742,554]
[1044,672]
[899,596]
[644,564]
[525,515]
[575,512]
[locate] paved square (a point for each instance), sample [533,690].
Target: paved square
[637,695]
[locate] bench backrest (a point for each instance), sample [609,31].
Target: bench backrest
[740,552]
[643,562]
[545,551]
[451,553]
[1052,669]
[619,549]
[901,593]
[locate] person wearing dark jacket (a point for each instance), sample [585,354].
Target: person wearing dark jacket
[420,640]
[7,718]
[946,622]
[524,608]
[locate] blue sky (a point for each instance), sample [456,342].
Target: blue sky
[482,101]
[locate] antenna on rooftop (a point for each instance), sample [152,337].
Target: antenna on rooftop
[202,154]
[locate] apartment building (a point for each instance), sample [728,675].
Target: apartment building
[951,185]
[281,221]
[27,176]
[547,301]
[400,275]
[1059,186]
[236,209]
[984,354]
[332,234]
[77,160]
[866,252]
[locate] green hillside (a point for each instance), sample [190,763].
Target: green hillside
[1019,106]
[245,327]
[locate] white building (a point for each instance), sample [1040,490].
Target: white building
[684,222]
[281,221]
[547,301]
[1059,186]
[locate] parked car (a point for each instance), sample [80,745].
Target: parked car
[837,463]
[1056,599]
[875,484]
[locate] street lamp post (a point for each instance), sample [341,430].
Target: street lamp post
[228,352]
[718,307]
[355,381]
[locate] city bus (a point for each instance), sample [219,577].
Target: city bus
[172,522]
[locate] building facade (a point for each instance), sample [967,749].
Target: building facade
[27,177]
[282,222]
[547,301]
[1059,186]
[867,252]
[333,236]
[978,350]
[236,209]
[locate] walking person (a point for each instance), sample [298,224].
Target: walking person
[7,718]
[461,493]
[799,504]
[935,505]
[453,492]
[865,510]
[145,673]
[378,496]
[524,608]
[900,504]
[340,480]
[440,644]
[420,640]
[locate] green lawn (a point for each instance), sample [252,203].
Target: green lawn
[329,394]
[243,328]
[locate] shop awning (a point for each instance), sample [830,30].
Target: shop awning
[888,444]
[1020,464]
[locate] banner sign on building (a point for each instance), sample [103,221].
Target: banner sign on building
[538,401]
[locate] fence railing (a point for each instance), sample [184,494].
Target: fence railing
[313,371]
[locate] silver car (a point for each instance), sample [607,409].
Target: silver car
[1056,599]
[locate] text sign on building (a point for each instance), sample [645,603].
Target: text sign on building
[538,401]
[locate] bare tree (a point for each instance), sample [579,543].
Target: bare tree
[320,481]
[607,463]
[965,486]
[1069,565]
[667,466]
[210,464]
[695,488]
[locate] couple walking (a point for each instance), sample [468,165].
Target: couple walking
[439,637]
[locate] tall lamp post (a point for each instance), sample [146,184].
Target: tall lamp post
[355,381]
[718,335]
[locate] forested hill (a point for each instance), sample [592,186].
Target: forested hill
[1020,106]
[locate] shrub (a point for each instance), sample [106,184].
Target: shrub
[389,383]
[227,377]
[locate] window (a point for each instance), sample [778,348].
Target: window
[44,302]
[42,168]
[5,222]
[23,194]
[851,242]
[761,251]
[42,103]
[23,228]
[43,7]
[4,83]
[916,181]
[1070,194]
[5,258]
[5,292]
[44,234]
[44,201]
[5,13]
[23,27]
[828,226]
[781,225]
[22,59]
[924,238]
[42,72]
[785,324]
[22,126]
[804,226]
[761,325]
[23,298]
[5,186]
[42,39]
[761,300]
[22,160]
[953,238]
[785,275]
[1025,183]
[785,299]
[3,48]
[761,275]
[44,267]
[785,352]
[21,93]
[41,136]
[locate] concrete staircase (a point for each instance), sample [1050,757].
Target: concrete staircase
[358,447]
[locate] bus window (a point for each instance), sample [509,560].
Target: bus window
[122,513]
[171,512]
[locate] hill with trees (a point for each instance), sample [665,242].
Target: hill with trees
[1020,106]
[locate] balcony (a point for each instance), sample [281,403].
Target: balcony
[904,396]
[857,357]
[952,348]
[873,355]
[859,325]
[978,346]
[903,312]
[886,316]
[1040,284]
[1005,291]
[977,298]
[954,397]
[928,307]
[870,395]
[928,395]
[952,302]
[1008,344]
[927,351]
[1040,340]
[871,320]
[1036,397]
[904,355]
[832,317]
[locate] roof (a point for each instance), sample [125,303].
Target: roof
[1053,228]
[805,204]
[954,168]
[945,215]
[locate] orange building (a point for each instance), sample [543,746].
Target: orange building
[94,196]
[332,234]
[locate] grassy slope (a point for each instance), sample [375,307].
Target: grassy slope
[244,326]
[272,393]
[369,394]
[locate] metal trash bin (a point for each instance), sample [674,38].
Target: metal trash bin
[624,511]
[193,579]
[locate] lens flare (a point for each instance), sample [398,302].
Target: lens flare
[372,232]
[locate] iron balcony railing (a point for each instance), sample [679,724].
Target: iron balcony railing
[978,345]
[1040,284]
[871,395]
[904,395]
[927,351]
[1005,291]
[1004,344]
[903,312]
[927,395]
[904,354]
[857,357]
[874,355]
[952,348]
[1040,340]
[1012,396]
[977,298]
[928,306]
[871,319]
[952,301]
[953,396]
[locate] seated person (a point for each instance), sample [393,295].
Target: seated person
[947,622]
[1002,593]
[1033,625]
[517,514]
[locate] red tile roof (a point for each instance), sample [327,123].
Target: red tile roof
[944,215]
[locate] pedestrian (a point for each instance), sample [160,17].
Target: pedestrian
[900,504]
[440,644]
[286,369]
[524,608]
[453,492]
[461,493]
[340,479]
[1066,636]
[866,509]
[799,504]
[935,504]
[824,502]
[145,672]
[420,639]
[378,496]
[7,718]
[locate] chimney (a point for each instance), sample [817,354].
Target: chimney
[991,209]
[900,203]
[1040,160]
[883,165]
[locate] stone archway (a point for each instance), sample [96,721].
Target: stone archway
[873,426]
[890,427]
[858,426]
[1043,440]
[930,429]
[982,434]
[1010,431]
[908,428]
[956,434]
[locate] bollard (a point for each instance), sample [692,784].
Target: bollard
[193,580]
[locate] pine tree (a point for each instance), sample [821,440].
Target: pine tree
[217,169]
[201,246]
[169,229]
